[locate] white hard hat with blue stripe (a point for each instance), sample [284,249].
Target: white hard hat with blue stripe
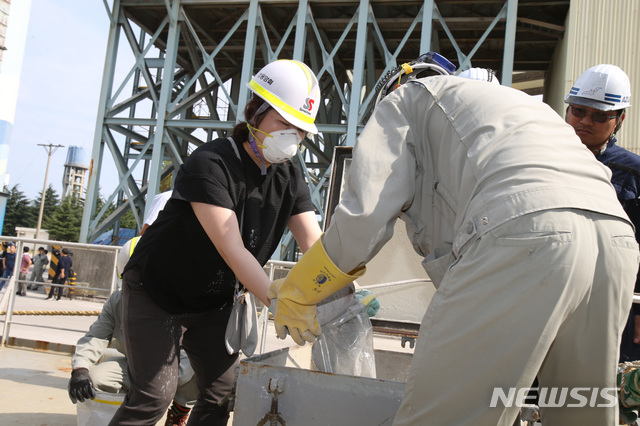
[605,87]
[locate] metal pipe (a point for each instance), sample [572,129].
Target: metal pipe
[394,283]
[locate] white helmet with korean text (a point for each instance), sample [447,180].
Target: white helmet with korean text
[290,88]
[480,74]
[605,87]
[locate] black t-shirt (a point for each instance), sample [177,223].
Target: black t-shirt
[180,267]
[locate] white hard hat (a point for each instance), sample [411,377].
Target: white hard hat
[605,87]
[125,253]
[292,89]
[480,74]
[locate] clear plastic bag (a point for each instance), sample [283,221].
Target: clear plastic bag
[346,343]
[99,411]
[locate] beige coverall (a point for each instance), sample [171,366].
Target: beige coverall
[533,257]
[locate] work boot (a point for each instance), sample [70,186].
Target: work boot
[174,419]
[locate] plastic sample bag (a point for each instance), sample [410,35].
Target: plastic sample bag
[99,411]
[346,343]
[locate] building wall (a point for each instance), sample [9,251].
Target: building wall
[30,233]
[600,32]
[4,19]
[73,182]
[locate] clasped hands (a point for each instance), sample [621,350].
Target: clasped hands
[312,279]
[300,321]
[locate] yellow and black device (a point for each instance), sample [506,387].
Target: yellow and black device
[72,282]
[55,258]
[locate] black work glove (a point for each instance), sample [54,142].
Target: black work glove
[81,386]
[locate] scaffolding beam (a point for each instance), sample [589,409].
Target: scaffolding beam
[204,51]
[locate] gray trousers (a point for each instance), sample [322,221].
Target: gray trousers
[547,293]
[22,287]
[111,375]
[153,338]
[36,275]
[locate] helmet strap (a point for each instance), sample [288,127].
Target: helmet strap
[253,143]
[618,122]
[615,130]
[254,148]
[265,106]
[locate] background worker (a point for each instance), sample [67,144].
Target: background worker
[157,204]
[506,206]
[40,261]
[596,110]
[8,263]
[232,200]
[61,274]
[100,361]
[3,253]
[25,264]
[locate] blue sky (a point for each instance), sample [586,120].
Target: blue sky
[59,90]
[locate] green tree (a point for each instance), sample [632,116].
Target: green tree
[66,221]
[17,212]
[100,202]
[51,204]
[128,220]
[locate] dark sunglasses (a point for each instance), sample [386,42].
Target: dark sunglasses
[596,117]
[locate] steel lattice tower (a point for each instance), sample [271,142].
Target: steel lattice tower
[186,63]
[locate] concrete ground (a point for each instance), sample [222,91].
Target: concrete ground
[33,388]
[35,366]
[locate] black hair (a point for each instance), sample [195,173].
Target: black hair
[240,133]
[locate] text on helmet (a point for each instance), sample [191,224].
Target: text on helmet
[592,91]
[262,76]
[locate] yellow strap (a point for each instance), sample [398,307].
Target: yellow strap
[407,68]
[134,243]
[102,401]
[275,101]
[251,129]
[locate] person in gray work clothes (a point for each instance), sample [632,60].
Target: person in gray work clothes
[40,261]
[533,257]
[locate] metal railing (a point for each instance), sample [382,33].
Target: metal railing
[11,283]
[274,269]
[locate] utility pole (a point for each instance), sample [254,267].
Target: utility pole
[50,148]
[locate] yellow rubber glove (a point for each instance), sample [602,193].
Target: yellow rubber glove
[311,280]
